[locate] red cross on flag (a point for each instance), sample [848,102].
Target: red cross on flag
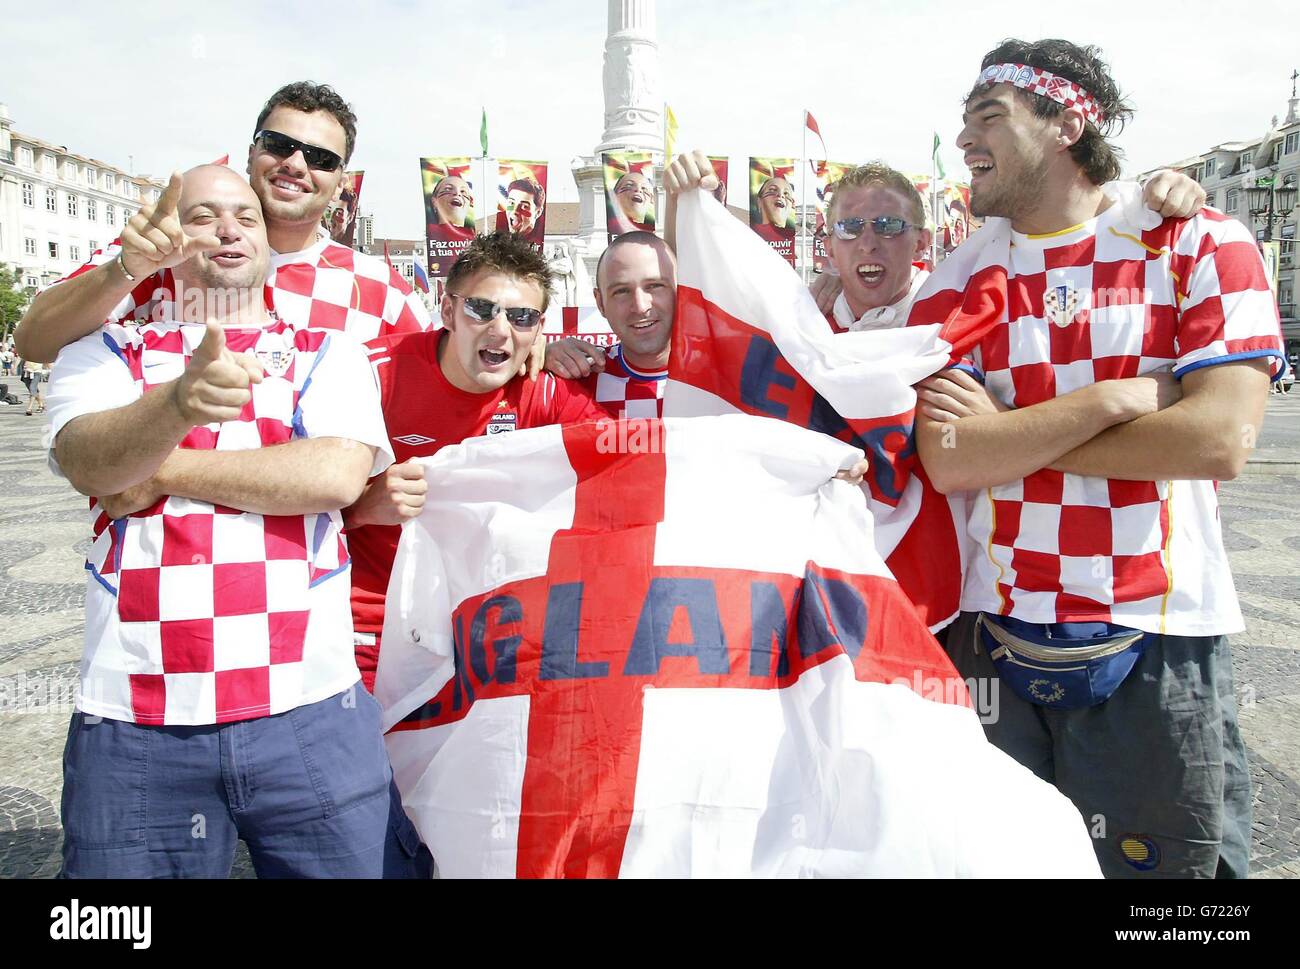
[669,648]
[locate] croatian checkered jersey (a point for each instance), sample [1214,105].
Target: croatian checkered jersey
[199,614]
[626,392]
[1100,301]
[327,286]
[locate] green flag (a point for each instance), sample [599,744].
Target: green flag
[938,163]
[482,133]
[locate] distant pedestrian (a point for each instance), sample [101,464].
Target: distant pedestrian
[37,380]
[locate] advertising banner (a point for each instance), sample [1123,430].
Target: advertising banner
[521,199]
[773,213]
[448,210]
[340,219]
[629,192]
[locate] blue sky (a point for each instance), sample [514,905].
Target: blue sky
[173,84]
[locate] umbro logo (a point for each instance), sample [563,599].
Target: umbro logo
[414,439]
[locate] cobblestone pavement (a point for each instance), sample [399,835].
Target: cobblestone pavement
[43,537]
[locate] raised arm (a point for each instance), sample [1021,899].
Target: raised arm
[153,240]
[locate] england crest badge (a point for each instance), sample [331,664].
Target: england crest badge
[1061,304]
[503,420]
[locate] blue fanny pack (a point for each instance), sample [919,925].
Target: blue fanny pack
[1066,666]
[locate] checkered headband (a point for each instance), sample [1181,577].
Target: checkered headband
[1035,80]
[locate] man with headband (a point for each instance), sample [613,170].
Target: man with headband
[1129,357]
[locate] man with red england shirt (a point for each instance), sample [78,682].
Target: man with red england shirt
[442,386]
[1099,600]
[302,141]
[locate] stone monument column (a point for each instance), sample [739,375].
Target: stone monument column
[633,100]
[633,117]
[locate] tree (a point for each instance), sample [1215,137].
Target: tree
[13,301]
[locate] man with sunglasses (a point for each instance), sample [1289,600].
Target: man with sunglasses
[877,233]
[443,386]
[302,140]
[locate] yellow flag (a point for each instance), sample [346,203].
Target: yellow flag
[670,134]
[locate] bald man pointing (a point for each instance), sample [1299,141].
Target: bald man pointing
[217,699]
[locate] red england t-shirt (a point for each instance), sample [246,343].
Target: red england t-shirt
[424,413]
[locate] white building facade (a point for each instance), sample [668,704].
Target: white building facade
[57,206]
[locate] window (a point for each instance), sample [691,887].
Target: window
[1286,247]
[31,282]
[92,210]
[1211,199]
[74,253]
[29,247]
[48,163]
[110,215]
[70,171]
[25,157]
[54,250]
[1230,206]
[1245,159]
[1292,143]
[72,205]
[51,201]
[1210,165]
[91,177]
[93,246]
[29,195]
[108,181]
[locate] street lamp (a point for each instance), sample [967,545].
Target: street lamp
[1269,203]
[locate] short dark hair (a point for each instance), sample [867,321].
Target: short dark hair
[1098,158]
[530,186]
[638,236]
[505,253]
[309,97]
[878,173]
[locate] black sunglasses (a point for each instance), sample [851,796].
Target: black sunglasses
[885,226]
[485,311]
[282,146]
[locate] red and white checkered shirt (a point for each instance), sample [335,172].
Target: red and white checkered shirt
[199,614]
[328,286]
[1100,302]
[626,392]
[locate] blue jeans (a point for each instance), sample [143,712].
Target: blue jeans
[309,790]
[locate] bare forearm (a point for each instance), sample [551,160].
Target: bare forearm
[108,452]
[65,313]
[1207,435]
[297,478]
[1181,442]
[985,450]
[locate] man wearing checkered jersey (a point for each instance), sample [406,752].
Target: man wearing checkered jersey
[636,290]
[218,697]
[1126,374]
[302,141]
